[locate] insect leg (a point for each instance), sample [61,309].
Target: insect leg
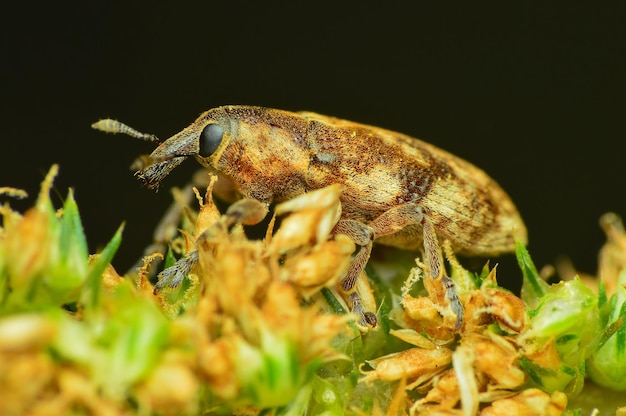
[432,253]
[363,236]
[244,211]
[165,230]
[401,216]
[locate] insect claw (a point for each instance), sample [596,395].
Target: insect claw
[455,303]
[174,275]
[366,318]
[371,319]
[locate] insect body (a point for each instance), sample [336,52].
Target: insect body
[397,190]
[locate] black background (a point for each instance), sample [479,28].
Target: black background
[532,93]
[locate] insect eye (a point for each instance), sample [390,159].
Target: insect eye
[210,139]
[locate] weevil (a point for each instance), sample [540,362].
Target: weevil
[397,190]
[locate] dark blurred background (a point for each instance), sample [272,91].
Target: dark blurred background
[533,93]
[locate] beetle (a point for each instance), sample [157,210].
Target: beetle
[397,190]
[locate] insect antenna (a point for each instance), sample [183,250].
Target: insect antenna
[109,125]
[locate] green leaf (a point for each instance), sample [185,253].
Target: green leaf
[72,241]
[607,365]
[558,319]
[548,379]
[97,267]
[272,374]
[119,344]
[533,287]
[67,268]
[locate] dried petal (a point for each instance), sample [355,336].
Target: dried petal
[415,364]
[498,359]
[322,267]
[25,332]
[530,402]
[313,217]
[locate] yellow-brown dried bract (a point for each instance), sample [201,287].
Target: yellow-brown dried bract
[485,370]
[612,258]
[506,308]
[25,332]
[216,365]
[445,391]
[26,244]
[485,374]
[208,214]
[26,378]
[319,267]
[423,315]
[175,376]
[531,402]
[497,358]
[13,192]
[249,303]
[417,365]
